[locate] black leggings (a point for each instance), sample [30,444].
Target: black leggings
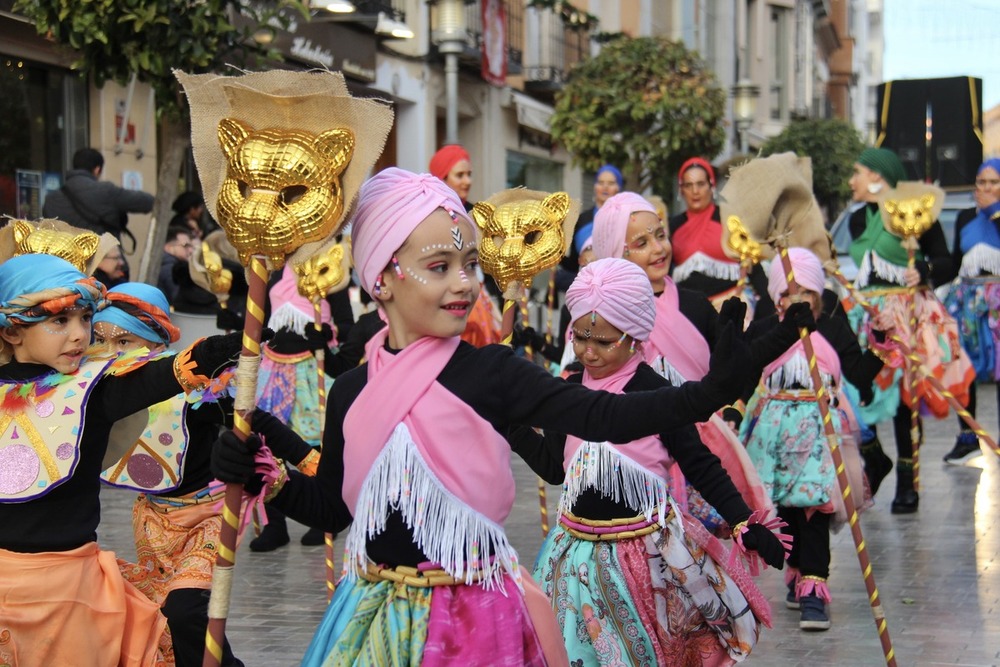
[186,610]
[810,540]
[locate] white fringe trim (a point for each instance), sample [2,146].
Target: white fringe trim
[597,465]
[702,263]
[794,374]
[665,370]
[872,263]
[981,258]
[448,531]
[287,316]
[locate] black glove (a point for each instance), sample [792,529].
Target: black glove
[768,547]
[800,315]
[228,320]
[731,414]
[527,337]
[319,339]
[728,371]
[232,458]
[733,310]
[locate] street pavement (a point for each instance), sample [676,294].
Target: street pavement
[938,573]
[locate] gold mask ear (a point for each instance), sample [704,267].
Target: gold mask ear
[87,244]
[891,207]
[338,146]
[482,213]
[22,230]
[927,202]
[232,133]
[556,205]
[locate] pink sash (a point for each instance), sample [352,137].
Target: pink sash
[676,339]
[826,358]
[648,452]
[461,448]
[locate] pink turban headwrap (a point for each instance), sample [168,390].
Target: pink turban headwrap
[391,204]
[618,291]
[446,158]
[808,272]
[611,222]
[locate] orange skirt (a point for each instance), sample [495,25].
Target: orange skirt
[61,606]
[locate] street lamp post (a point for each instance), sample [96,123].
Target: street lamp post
[448,33]
[745,95]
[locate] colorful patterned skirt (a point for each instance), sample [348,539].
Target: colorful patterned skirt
[665,597]
[785,440]
[975,305]
[379,622]
[937,344]
[288,388]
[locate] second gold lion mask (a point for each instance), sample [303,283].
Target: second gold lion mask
[282,187]
[521,238]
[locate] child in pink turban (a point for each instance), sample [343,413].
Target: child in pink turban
[785,439]
[621,544]
[681,341]
[415,462]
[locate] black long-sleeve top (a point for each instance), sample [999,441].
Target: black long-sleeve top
[204,424]
[857,366]
[67,517]
[700,466]
[937,266]
[505,390]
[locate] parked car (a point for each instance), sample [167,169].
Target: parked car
[954,201]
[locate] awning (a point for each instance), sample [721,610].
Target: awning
[532,113]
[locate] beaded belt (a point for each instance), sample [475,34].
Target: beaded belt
[166,504]
[411,576]
[793,395]
[608,530]
[890,291]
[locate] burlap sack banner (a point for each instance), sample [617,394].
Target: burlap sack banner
[313,102]
[773,198]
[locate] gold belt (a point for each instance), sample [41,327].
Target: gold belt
[411,576]
[279,358]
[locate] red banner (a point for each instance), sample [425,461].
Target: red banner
[494,69]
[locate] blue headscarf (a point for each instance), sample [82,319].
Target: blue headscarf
[36,286]
[993,163]
[613,170]
[140,309]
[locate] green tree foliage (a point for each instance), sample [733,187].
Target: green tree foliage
[644,105]
[114,39]
[833,145]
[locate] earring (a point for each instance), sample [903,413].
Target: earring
[631,347]
[874,188]
[399,271]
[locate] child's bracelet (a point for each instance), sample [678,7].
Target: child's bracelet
[275,487]
[184,372]
[738,529]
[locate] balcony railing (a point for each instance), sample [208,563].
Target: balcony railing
[472,55]
[557,49]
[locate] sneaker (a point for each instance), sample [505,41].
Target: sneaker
[966,447]
[313,537]
[813,615]
[791,600]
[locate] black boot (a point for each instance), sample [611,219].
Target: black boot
[877,463]
[906,500]
[275,533]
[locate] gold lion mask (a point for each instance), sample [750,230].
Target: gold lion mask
[911,208]
[77,249]
[282,187]
[325,273]
[521,238]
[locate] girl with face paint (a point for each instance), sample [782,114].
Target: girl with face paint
[424,515]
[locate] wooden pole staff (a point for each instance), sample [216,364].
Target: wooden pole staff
[321,389]
[917,365]
[823,401]
[246,391]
